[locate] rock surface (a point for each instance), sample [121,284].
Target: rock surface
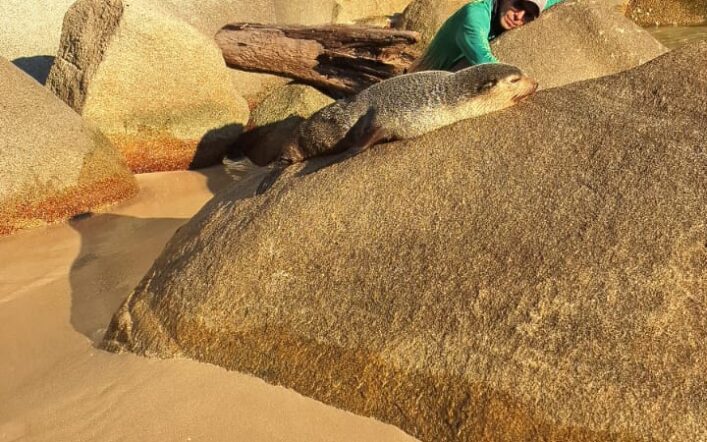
[52,165]
[157,87]
[539,273]
[427,16]
[575,41]
[290,100]
[29,33]
[350,11]
[668,12]
[274,121]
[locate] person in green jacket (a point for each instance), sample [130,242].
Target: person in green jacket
[463,40]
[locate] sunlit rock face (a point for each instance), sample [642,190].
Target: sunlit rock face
[154,85]
[575,41]
[539,273]
[29,33]
[572,41]
[52,165]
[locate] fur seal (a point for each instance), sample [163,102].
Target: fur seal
[402,107]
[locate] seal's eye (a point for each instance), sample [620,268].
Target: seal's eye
[514,79]
[488,85]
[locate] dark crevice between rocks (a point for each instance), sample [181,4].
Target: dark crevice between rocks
[37,67]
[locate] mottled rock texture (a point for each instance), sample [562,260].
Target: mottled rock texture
[539,273]
[290,100]
[52,165]
[668,12]
[577,40]
[348,11]
[157,87]
[427,16]
[572,41]
[29,33]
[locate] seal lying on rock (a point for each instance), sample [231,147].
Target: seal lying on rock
[401,107]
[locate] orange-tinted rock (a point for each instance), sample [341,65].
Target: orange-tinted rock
[157,87]
[53,165]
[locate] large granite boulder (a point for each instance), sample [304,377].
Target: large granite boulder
[427,16]
[577,40]
[29,33]
[52,165]
[668,12]
[350,11]
[156,86]
[290,100]
[572,41]
[538,273]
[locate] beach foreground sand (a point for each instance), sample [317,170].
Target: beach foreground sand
[59,287]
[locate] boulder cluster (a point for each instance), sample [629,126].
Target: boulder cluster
[537,273]
[53,165]
[131,86]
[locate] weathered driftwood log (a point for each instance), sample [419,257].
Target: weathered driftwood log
[339,59]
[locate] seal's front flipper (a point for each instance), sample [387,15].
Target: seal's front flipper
[362,135]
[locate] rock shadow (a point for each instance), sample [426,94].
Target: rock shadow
[263,144]
[37,67]
[212,146]
[116,252]
[209,154]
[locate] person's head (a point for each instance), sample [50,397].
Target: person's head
[515,13]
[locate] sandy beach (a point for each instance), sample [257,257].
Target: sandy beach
[60,285]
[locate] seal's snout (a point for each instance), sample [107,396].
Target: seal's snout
[526,87]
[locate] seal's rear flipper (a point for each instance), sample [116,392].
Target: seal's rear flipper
[239,167]
[277,169]
[362,135]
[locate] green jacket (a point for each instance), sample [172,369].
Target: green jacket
[465,34]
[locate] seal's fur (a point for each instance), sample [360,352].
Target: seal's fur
[403,107]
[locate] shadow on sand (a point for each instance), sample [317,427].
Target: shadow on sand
[116,251]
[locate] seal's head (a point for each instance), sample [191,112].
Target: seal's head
[494,86]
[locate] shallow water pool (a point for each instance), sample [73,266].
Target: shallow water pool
[675,36]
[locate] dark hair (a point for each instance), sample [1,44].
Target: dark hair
[532,9]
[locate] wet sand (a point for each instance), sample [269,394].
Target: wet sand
[60,285]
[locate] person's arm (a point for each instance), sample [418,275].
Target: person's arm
[551,3]
[473,36]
